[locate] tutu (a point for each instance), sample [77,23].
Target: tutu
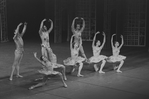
[73,61]
[43,71]
[116,58]
[96,59]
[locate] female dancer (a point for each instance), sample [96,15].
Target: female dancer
[44,35]
[48,69]
[19,49]
[75,58]
[116,57]
[77,34]
[96,58]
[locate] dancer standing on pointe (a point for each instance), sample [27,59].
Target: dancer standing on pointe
[48,69]
[19,49]
[75,58]
[96,58]
[77,33]
[44,35]
[116,57]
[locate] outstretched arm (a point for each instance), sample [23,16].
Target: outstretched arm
[93,43]
[112,40]
[24,29]
[72,26]
[104,40]
[41,25]
[121,42]
[50,29]
[35,55]
[83,25]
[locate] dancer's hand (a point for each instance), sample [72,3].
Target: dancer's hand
[76,17]
[25,23]
[20,24]
[113,34]
[121,36]
[50,20]
[97,32]
[44,20]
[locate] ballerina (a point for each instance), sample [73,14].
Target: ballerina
[116,57]
[96,58]
[77,34]
[19,50]
[75,58]
[44,35]
[48,69]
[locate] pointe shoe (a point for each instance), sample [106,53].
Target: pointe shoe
[65,86]
[79,75]
[101,72]
[118,71]
[19,76]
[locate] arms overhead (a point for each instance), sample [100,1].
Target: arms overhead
[83,25]
[104,40]
[24,29]
[35,55]
[122,42]
[112,40]
[50,29]
[41,25]
[72,26]
[93,43]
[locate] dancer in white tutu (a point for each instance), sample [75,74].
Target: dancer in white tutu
[77,33]
[48,69]
[19,49]
[75,58]
[44,35]
[96,58]
[116,57]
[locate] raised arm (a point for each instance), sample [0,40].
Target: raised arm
[122,42]
[50,29]
[93,43]
[112,40]
[83,25]
[17,31]
[41,25]
[104,40]
[24,29]
[72,26]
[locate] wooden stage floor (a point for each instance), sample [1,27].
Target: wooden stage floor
[133,83]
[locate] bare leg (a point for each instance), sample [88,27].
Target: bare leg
[79,71]
[18,66]
[13,69]
[102,65]
[63,72]
[95,67]
[119,67]
[65,85]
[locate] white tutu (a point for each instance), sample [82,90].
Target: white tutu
[96,59]
[46,72]
[116,58]
[73,61]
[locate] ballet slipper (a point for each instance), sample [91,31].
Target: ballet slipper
[101,72]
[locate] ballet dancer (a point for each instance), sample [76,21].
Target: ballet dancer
[96,58]
[44,35]
[19,50]
[75,58]
[116,57]
[77,34]
[48,69]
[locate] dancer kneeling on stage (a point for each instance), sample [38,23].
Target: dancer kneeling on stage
[19,50]
[47,70]
[116,57]
[96,58]
[75,58]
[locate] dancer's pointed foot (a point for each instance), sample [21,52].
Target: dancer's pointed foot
[10,78]
[79,75]
[65,85]
[101,72]
[65,78]
[118,71]
[19,76]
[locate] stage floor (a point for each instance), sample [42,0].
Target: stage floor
[133,83]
